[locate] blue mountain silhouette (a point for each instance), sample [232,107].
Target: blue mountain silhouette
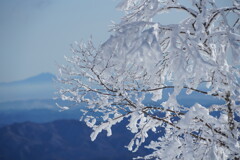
[41,78]
[63,140]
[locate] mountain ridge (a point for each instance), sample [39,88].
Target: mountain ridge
[40,78]
[63,140]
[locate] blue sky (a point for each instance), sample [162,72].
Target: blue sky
[36,34]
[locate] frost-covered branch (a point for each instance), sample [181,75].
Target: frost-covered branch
[140,72]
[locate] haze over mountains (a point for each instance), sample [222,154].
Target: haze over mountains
[38,87]
[32,100]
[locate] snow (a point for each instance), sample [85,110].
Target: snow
[144,57]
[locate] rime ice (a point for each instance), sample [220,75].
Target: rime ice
[144,57]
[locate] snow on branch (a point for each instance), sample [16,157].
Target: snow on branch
[141,72]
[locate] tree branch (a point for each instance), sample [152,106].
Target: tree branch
[215,14]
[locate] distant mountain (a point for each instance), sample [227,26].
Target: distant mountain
[41,78]
[41,86]
[63,140]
